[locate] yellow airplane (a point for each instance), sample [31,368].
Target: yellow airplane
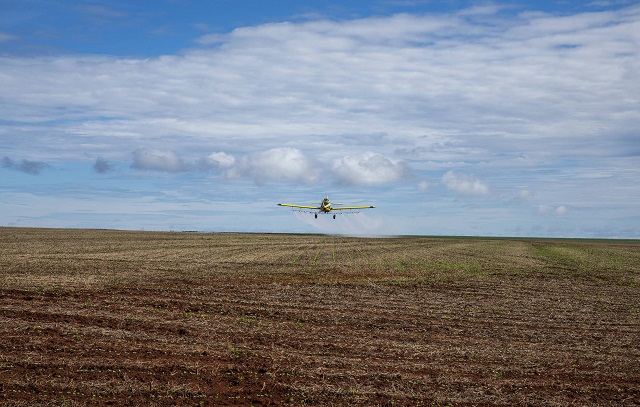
[325,207]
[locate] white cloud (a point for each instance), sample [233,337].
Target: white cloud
[158,160]
[464,184]
[549,210]
[560,210]
[543,209]
[281,164]
[423,186]
[523,195]
[221,160]
[368,168]
[275,164]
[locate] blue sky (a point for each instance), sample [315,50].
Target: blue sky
[452,117]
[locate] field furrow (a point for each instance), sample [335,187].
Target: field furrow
[131,318]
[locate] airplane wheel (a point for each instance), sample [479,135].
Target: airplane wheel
[316,215]
[334,216]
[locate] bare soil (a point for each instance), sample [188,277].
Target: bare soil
[98,317]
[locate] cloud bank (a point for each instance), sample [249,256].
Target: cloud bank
[280,164]
[457,77]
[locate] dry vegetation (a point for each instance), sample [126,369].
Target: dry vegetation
[129,318]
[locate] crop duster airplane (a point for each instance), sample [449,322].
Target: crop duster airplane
[325,207]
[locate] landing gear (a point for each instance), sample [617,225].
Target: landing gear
[334,216]
[316,215]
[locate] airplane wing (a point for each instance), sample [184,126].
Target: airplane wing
[343,208]
[299,206]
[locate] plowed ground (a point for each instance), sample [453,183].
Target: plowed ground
[91,317]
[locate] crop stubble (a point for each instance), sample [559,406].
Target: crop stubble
[98,317]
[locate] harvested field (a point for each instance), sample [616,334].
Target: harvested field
[129,318]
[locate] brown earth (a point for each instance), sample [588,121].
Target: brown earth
[95,317]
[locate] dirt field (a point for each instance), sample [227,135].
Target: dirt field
[91,317]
